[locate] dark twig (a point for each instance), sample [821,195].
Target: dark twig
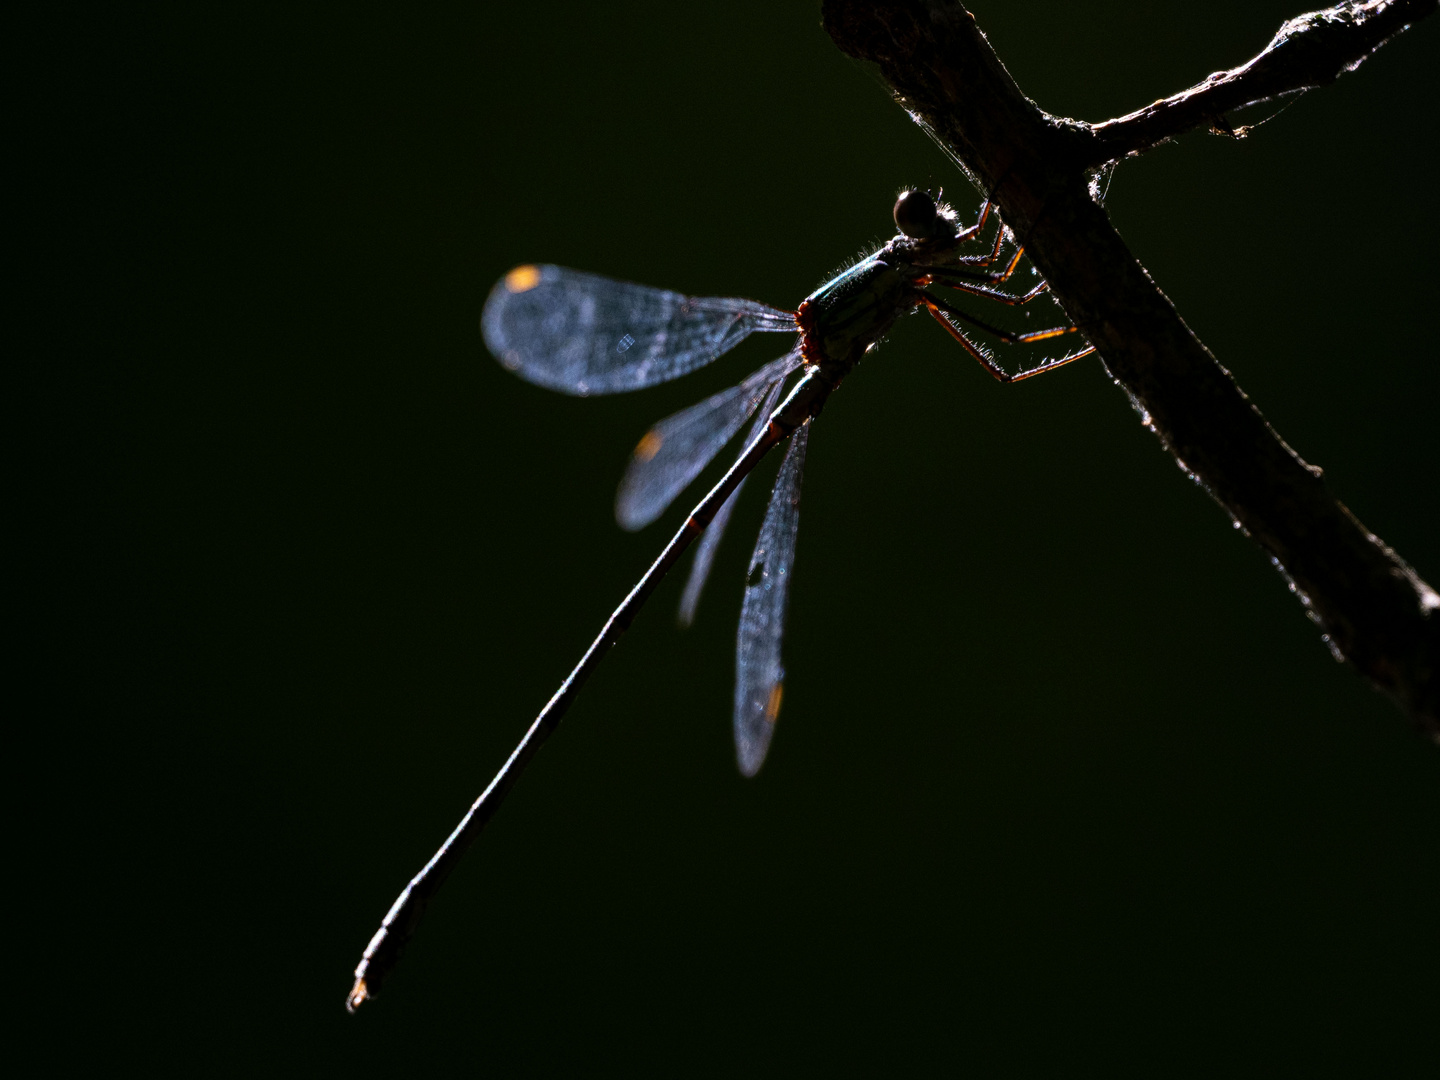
[1308,51]
[1374,610]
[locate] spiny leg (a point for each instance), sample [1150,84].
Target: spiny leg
[974,230]
[935,302]
[952,268]
[979,262]
[995,294]
[938,309]
[982,261]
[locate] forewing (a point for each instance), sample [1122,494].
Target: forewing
[584,334]
[705,550]
[675,450]
[759,678]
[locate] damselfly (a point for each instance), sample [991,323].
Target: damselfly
[583,334]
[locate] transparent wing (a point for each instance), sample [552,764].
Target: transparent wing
[759,678]
[584,334]
[705,550]
[675,450]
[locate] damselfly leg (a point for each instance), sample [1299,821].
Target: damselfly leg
[939,309]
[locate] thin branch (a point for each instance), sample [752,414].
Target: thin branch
[1308,51]
[1375,612]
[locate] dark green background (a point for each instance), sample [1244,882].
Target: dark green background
[1065,783]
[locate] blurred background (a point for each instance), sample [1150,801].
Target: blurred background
[1065,780]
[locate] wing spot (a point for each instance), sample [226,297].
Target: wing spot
[522,279]
[757,575]
[649,446]
[772,707]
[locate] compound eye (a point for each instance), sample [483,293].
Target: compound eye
[915,214]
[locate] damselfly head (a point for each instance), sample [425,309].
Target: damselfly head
[919,216]
[916,214]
